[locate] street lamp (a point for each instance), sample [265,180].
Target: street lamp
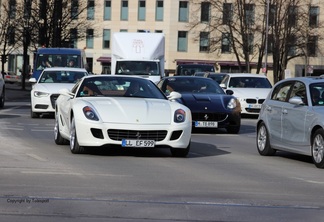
[26,38]
[266,40]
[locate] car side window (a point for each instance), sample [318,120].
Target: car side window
[280,92]
[299,90]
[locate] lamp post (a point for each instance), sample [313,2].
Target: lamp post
[25,55]
[266,40]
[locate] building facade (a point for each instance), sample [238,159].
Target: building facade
[173,18]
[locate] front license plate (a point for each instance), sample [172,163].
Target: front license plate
[138,143]
[255,106]
[206,124]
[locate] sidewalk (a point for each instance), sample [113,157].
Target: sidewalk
[14,92]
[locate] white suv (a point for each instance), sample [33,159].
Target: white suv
[2,91]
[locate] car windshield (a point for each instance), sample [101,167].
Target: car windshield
[113,86]
[192,85]
[61,76]
[249,82]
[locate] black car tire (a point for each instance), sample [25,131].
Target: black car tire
[179,152]
[318,148]
[34,115]
[2,98]
[263,141]
[74,144]
[59,140]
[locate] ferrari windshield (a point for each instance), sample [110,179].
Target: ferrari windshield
[192,84]
[119,86]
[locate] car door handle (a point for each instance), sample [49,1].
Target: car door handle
[284,111]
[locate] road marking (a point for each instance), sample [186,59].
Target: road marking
[37,157]
[308,181]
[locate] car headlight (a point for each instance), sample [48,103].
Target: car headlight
[90,113]
[40,94]
[232,104]
[179,116]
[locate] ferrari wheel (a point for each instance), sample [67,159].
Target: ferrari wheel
[263,142]
[318,148]
[59,140]
[74,145]
[179,152]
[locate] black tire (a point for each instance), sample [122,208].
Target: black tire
[59,140]
[179,152]
[318,148]
[263,141]
[2,98]
[74,144]
[34,115]
[233,129]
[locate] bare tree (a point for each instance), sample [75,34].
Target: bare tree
[243,24]
[8,33]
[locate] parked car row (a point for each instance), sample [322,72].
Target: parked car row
[132,111]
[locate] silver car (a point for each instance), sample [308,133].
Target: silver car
[292,119]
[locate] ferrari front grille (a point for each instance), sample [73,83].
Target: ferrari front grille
[209,116]
[156,135]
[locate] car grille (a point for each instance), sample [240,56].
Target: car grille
[254,101]
[53,99]
[156,135]
[209,116]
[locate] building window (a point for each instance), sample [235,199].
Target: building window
[312,45]
[204,42]
[182,41]
[73,38]
[249,14]
[270,43]
[12,9]
[106,39]
[313,16]
[291,45]
[250,41]
[90,10]
[158,31]
[226,43]
[123,30]
[74,9]
[124,11]
[292,16]
[227,13]
[89,39]
[141,10]
[11,35]
[159,11]
[183,11]
[107,10]
[272,14]
[205,12]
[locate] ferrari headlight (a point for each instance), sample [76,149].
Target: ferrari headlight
[232,104]
[40,94]
[90,113]
[179,116]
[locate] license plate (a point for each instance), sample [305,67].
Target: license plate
[255,106]
[206,124]
[138,143]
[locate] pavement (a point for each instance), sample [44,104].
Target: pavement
[15,92]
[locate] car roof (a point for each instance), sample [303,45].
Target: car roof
[306,79]
[246,75]
[65,69]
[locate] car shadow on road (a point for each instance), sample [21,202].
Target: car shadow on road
[197,150]
[293,156]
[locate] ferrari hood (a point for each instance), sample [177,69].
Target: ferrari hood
[261,93]
[198,102]
[134,110]
[52,87]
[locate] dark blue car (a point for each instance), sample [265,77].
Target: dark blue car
[210,106]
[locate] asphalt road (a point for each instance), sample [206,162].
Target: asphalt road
[222,179]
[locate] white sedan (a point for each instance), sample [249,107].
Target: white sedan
[126,111]
[250,89]
[46,89]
